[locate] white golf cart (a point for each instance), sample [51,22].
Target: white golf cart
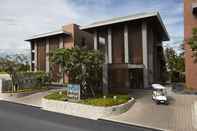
[159,94]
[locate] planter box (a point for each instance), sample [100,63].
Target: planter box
[86,111]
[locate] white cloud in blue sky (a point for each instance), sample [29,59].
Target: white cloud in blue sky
[22,18]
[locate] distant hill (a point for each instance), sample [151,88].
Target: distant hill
[10,52]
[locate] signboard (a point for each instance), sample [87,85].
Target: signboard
[73,91]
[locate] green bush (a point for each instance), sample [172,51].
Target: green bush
[32,79]
[99,101]
[57,96]
[42,78]
[109,101]
[177,76]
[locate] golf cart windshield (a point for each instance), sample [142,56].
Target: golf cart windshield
[160,93]
[159,90]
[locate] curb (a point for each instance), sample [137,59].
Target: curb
[83,110]
[134,124]
[194,115]
[17,103]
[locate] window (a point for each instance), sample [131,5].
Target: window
[32,67]
[83,42]
[32,56]
[194,8]
[32,46]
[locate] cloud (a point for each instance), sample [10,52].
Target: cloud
[22,18]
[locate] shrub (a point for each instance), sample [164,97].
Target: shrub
[6,85]
[32,79]
[57,96]
[109,101]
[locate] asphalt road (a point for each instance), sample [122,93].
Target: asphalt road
[16,117]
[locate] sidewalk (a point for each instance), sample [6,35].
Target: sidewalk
[33,100]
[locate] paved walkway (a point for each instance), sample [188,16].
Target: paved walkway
[5,76]
[33,100]
[178,116]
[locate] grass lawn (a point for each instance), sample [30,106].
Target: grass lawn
[2,72]
[98,101]
[57,96]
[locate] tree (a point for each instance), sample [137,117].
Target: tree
[83,67]
[193,43]
[174,62]
[12,65]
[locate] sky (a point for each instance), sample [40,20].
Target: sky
[20,19]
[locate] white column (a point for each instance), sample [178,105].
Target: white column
[109,46]
[105,65]
[47,55]
[95,41]
[126,44]
[105,71]
[145,52]
[35,56]
[61,45]
[31,57]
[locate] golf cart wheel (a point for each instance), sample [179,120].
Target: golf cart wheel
[157,102]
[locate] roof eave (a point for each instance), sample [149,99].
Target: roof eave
[166,35]
[118,21]
[47,35]
[152,14]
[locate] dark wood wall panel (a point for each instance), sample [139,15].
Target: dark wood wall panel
[118,79]
[54,44]
[118,44]
[41,55]
[135,43]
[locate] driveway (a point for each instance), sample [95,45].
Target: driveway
[177,116]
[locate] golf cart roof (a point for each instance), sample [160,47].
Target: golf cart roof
[158,86]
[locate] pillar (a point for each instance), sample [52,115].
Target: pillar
[109,45]
[145,52]
[95,41]
[126,48]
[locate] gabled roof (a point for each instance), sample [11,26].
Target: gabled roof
[129,18]
[48,34]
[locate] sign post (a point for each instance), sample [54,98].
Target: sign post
[73,92]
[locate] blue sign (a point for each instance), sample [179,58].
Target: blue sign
[73,91]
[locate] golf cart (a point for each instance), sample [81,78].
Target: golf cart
[159,94]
